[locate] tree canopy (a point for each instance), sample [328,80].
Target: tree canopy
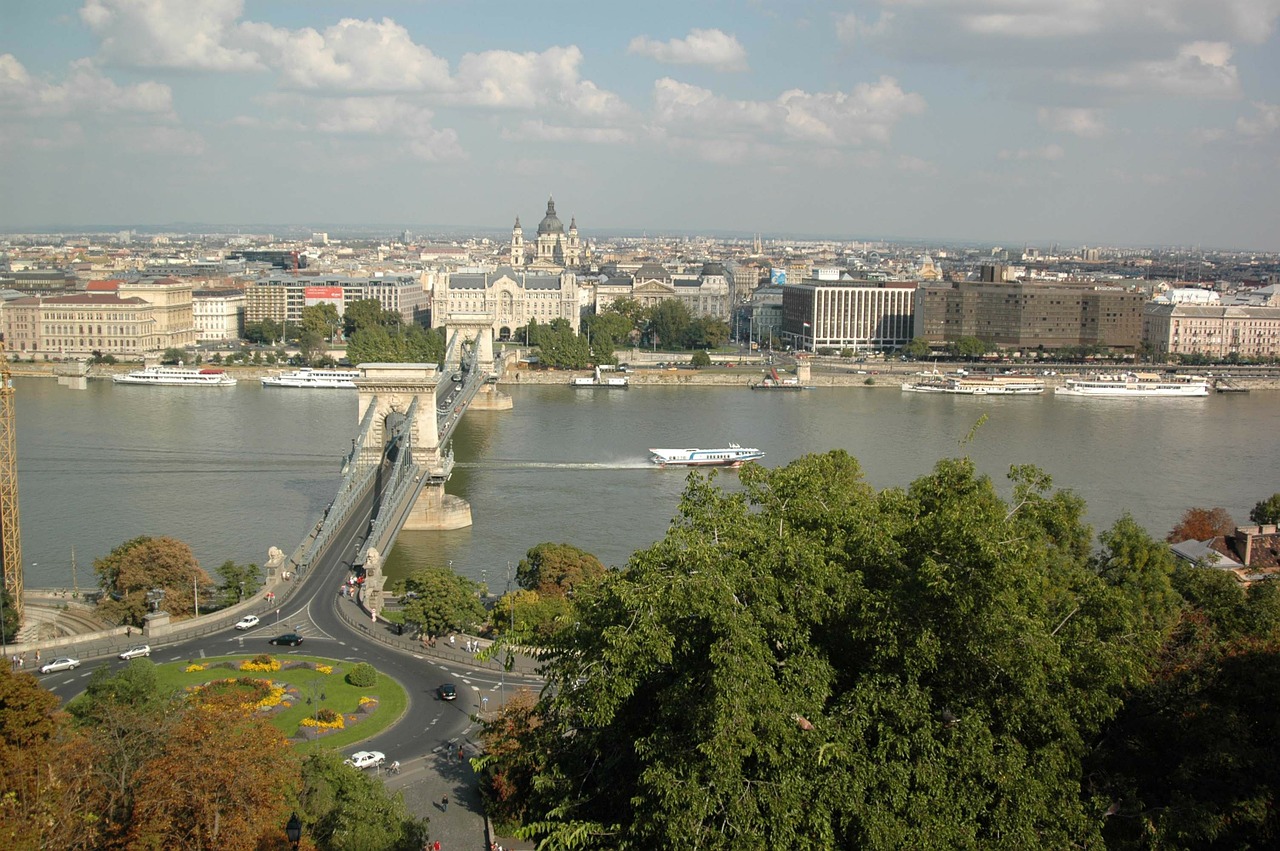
[440,601]
[554,569]
[130,571]
[809,663]
[1267,511]
[1201,524]
[406,344]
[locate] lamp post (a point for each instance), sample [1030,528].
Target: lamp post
[293,830]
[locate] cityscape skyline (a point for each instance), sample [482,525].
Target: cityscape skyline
[947,121]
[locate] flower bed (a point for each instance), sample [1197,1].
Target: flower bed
[262,662]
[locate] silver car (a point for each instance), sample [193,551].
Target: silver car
[136,650]
[62,663]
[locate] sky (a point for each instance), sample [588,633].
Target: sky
[1072,122]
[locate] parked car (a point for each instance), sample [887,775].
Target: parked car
[136,650]
[448,691]
[290,638]
[247,622]
[365,759]
[62,663]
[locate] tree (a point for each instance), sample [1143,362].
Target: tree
[559,346]
[9,623]
[322,320]
[173,355]
[343,808]
[968,348]
[808,663]
[918,348]
[444,602]
[129,572]
[705,332]
[238,581]
[367,313]
[1267,511]
[555,569]
[700,359]
[668,321]
[1201,524]
[265,332]
[410,344]
[527,617]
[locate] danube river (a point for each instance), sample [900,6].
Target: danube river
[235,471]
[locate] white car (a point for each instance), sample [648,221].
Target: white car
[136,650]
[247,622]
[365,759]
[64,663]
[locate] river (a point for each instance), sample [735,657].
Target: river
[235,471]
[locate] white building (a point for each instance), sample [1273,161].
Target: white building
[219,315]
[853,314]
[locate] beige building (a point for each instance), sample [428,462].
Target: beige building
[553,247]
[219,314]
[170,299]
[1214,330]
[506,298]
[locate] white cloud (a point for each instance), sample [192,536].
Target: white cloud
[868,113]
[389,117]
[168,33]
[1201,69]
[85,89]
[540,131]
[713,48]
[351,55]
[504,79]
[1048,153]
[1265,121]
[850,28]
[1078,121]
[165,141]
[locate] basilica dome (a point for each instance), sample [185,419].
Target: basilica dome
[550,224]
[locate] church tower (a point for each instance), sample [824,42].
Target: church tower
[517,245]
[573,249]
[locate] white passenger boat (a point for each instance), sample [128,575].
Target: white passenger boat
[1135,385]
[729,457]
[319,379]
[176,376]
[971,386]
[601,380]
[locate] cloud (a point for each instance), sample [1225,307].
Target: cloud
[351,55]
[164,141]
[1085,123]
[503,79]
[1201,69]
[386,117]
[850,28]
[85,90]
[1266,120]
[867,114]
[168,34]
[1048,153]
[712,48]
[540,131]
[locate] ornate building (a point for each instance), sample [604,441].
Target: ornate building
[554,248]
[507,298]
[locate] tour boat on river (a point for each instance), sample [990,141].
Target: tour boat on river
[732,456]
[598,379]
[176,376]
[1135,385]
[975,386]
[318,379]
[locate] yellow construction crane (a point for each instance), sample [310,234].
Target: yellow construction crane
[10,534]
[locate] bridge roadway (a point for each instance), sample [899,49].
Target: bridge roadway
[426,738]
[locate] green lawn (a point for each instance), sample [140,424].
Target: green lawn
[338,694]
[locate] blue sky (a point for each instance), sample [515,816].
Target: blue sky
[1112,122]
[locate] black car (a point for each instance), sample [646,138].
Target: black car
[290,638]
[447,692]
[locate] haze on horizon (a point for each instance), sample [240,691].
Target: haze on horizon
[1127,122]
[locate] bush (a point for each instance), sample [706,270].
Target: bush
[363,675]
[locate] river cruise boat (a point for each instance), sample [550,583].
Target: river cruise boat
[773,381]
[1135,385]
[176,376]
[599,379]
[317,379]
[975,386]
[732,456]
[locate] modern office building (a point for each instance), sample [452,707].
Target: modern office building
[1025,315]
[282,297]
[854,314]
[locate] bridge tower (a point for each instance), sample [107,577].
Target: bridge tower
[477,330]
[391,388]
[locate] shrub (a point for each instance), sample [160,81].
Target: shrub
[363,675]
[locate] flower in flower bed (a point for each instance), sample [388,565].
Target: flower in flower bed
[366,700]
[325,719]
[191,669]
[325,669]
[262,662]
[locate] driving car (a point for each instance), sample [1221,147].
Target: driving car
[62,663]
[290,638]
[448,691]
[247,622]
[135,651]
[365,759]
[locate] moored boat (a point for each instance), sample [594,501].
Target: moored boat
[600,380]
[773,381]
[1135,385]
[972,386]
[176,376]
[731,456]
[320,379]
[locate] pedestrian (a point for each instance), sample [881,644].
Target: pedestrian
[451,637]
[459,753]
[128,632]
[22,660]
[37,657]
[436,846]
[444,803]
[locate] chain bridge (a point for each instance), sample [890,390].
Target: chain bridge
[400,458]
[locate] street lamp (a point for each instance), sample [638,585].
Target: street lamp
[293,830]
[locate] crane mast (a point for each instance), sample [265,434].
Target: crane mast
[10,535]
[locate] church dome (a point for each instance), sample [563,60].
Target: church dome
[550,224]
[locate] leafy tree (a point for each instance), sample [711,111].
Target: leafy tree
[367,313]
[445,601]
[410,344]
[631,309]
[1267,511]
[700,359]
[559,346]
[527,617]
[237,581]
[704,332]
[342,808]
[134,568]
[321,320]
[9,623]
[264,332]
[553,570]
[807,663]
[507,767]
[918,348]
[173,356]
[1200,524]
[667,322]
[968,348]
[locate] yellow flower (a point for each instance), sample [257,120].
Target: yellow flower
[325,669]
[191,669]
